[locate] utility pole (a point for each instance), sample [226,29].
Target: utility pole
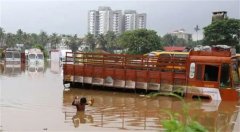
[197,29]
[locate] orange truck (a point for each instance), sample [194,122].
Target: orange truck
[210,72]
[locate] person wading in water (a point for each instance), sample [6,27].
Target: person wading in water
[80,116]
[80,104]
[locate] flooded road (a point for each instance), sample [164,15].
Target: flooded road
[34,99]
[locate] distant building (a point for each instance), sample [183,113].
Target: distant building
[219,15]
[182,34]
[141,20]
[130,20]
[93,20]
[117,21]
[105,19]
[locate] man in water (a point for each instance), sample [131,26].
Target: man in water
[80,104]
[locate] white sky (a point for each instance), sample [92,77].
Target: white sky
[70,16]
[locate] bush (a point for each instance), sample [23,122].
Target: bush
[180,123]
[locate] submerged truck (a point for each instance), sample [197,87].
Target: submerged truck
[210,73]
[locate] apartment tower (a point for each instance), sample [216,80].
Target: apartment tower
[141,20]
[117,21]
[130,20]
[93,22]
[105,19]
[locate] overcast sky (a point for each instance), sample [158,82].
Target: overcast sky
[70,16]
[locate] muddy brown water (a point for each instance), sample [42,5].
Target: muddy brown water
[34,99]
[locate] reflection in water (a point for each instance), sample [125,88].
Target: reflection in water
[132,112]
[81,118]
[35,72]
[55,67]
[11,70]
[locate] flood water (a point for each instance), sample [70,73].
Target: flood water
[34,99]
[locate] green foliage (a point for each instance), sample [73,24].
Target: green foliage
[54,40]
[101,42]
[177,124]
[10,40]
[91,41]
[140,41]
[170,40]
[111,41]
[226,32]
[39,46]
[106,42]
[74,42]
[43,38]
[1,52]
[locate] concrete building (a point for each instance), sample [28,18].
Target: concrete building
[105,19]
[117,22]
[219,15]
[141,20]
[93,20]
[130,20]
[182,34]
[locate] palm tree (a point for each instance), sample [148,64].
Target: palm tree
[74,42]
[19,36]
[101,42]
[110,38]
[43,38]
[90,40]
[2,35]
[11,40]
[54,40]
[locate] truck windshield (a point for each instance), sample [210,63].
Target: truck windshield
[31,56]
[8,54]
[16,55]
[40,56]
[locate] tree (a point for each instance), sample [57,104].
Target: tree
[172,40]
[2,36]
[101,42]
[54,40]
[43,38]
[74,42]
[11,40]
[225,32]
[169,40]
[111,43]
[90,40]
[38,46]
[19,36]
[140,41]
[32,40]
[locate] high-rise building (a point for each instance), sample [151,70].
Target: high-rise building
[117,21]
[93,20]
[105,19]
[141,20]
[130,20]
